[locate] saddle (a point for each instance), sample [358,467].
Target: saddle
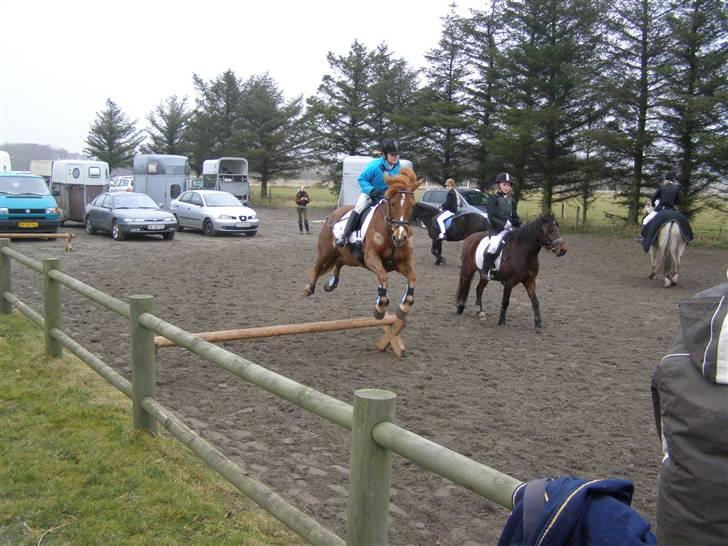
[360,229]
[652,228]
[483,246]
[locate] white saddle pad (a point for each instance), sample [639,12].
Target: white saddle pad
[480,251]
[356,236]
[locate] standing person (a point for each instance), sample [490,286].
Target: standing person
[690,400]
[302,200]
[372,184]
[503,217]
[449,207]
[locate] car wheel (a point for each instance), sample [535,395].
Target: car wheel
[250,233]
[168,236]
[179,226]
[89,228]
[208,229]
[116,232]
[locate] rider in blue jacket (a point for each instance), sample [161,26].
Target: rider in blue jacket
[372,184]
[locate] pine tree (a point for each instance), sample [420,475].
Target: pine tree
[112,137]
[442,150]
[167,126]
[271,130]
[216,119]
[695,105]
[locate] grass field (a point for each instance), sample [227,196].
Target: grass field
[709,228]
[75,472]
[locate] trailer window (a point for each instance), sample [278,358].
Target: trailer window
[76,172]
[94,172]
[174,191]
[153,167]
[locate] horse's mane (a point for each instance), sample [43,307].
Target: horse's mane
[531,230]
[404,180]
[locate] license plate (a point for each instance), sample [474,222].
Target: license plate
[242,224]
[28,224]
[155,226]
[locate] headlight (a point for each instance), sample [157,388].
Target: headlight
[3,210]
[122,219]
[172,220]
[51,210]
[226,217]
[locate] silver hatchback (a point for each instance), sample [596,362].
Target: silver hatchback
[214,212]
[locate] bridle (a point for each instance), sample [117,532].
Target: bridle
[550,244]
[401,222]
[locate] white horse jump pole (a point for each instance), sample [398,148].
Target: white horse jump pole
[392,328]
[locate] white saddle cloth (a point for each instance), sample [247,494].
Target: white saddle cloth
[487,242]
[356,235]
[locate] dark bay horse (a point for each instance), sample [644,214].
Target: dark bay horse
[462,226]
[519,264]
[387,244]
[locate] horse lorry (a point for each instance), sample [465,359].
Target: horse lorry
[228,174]
[75,183]
[352,168]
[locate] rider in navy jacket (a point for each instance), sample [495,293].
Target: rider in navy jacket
[667,195]
[372,183]
[449,207]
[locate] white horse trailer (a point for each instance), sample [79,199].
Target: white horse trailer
[228,174]
[76,182]
[5,161]
[353,167]
[161,177]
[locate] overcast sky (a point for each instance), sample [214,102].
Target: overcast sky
[61,60]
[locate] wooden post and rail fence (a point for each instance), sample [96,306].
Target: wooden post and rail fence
[375,435]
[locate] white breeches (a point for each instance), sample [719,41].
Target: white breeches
[363,202]
[649,217]
[496,239]
[442,219]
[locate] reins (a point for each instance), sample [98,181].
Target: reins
[389,219]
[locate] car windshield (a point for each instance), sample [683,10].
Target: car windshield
[134,202]
[221,200]
[23,185]
[476,198]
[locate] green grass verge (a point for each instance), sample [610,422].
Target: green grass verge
[710,228]
[74,471]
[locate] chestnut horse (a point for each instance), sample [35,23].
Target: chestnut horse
[519,264]
[387,244]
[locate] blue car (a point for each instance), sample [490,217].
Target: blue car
[26,204]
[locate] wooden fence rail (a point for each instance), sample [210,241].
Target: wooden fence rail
[374,436]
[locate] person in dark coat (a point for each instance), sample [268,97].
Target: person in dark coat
[667,196]
[503,217]
[302,200]
[448,208]
[690,400]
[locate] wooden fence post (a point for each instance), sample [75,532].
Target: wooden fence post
[51,308]
[371,467]
[143,363]
[5,284]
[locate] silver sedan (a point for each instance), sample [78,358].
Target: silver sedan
[214,212]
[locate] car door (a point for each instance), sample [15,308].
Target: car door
[181,209]
[196,211]
[106,213]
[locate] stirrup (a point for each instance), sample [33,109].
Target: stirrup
[341,241]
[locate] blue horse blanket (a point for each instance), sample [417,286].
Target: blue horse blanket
[575,512]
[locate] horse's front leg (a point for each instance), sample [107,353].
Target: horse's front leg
[374,263]
[482,283]
[437,251]
[654,263]
[408,298]
[531,290]
[504,303]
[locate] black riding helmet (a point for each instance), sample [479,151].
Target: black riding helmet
[670,175]
[503,177]
[390,146]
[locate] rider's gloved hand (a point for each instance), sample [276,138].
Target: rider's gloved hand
[376,195]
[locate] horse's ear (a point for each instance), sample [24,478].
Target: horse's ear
[418,184]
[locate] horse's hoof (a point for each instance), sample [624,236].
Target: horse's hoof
[651,276]
[308,290]
[538,329]
[481,315]
[401,313]
[501,322]
[459,309]
[379,315]
[667,283]
[329,286]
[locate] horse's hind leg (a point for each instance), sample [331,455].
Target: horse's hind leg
[333,281]
[436,251]
[655,262]
[322,265]
[479,297]
[531,290]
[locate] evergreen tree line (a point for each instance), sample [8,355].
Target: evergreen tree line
[569,96]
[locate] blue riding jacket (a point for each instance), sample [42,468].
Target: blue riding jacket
[373,175]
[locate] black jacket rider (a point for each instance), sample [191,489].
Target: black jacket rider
[451,202]
[501,208]
[666,197]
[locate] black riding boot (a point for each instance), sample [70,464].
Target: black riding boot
[488,265]
[308,231]
[351,222]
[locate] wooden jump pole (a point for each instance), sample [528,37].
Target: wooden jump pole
[393,327]
[66,236]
